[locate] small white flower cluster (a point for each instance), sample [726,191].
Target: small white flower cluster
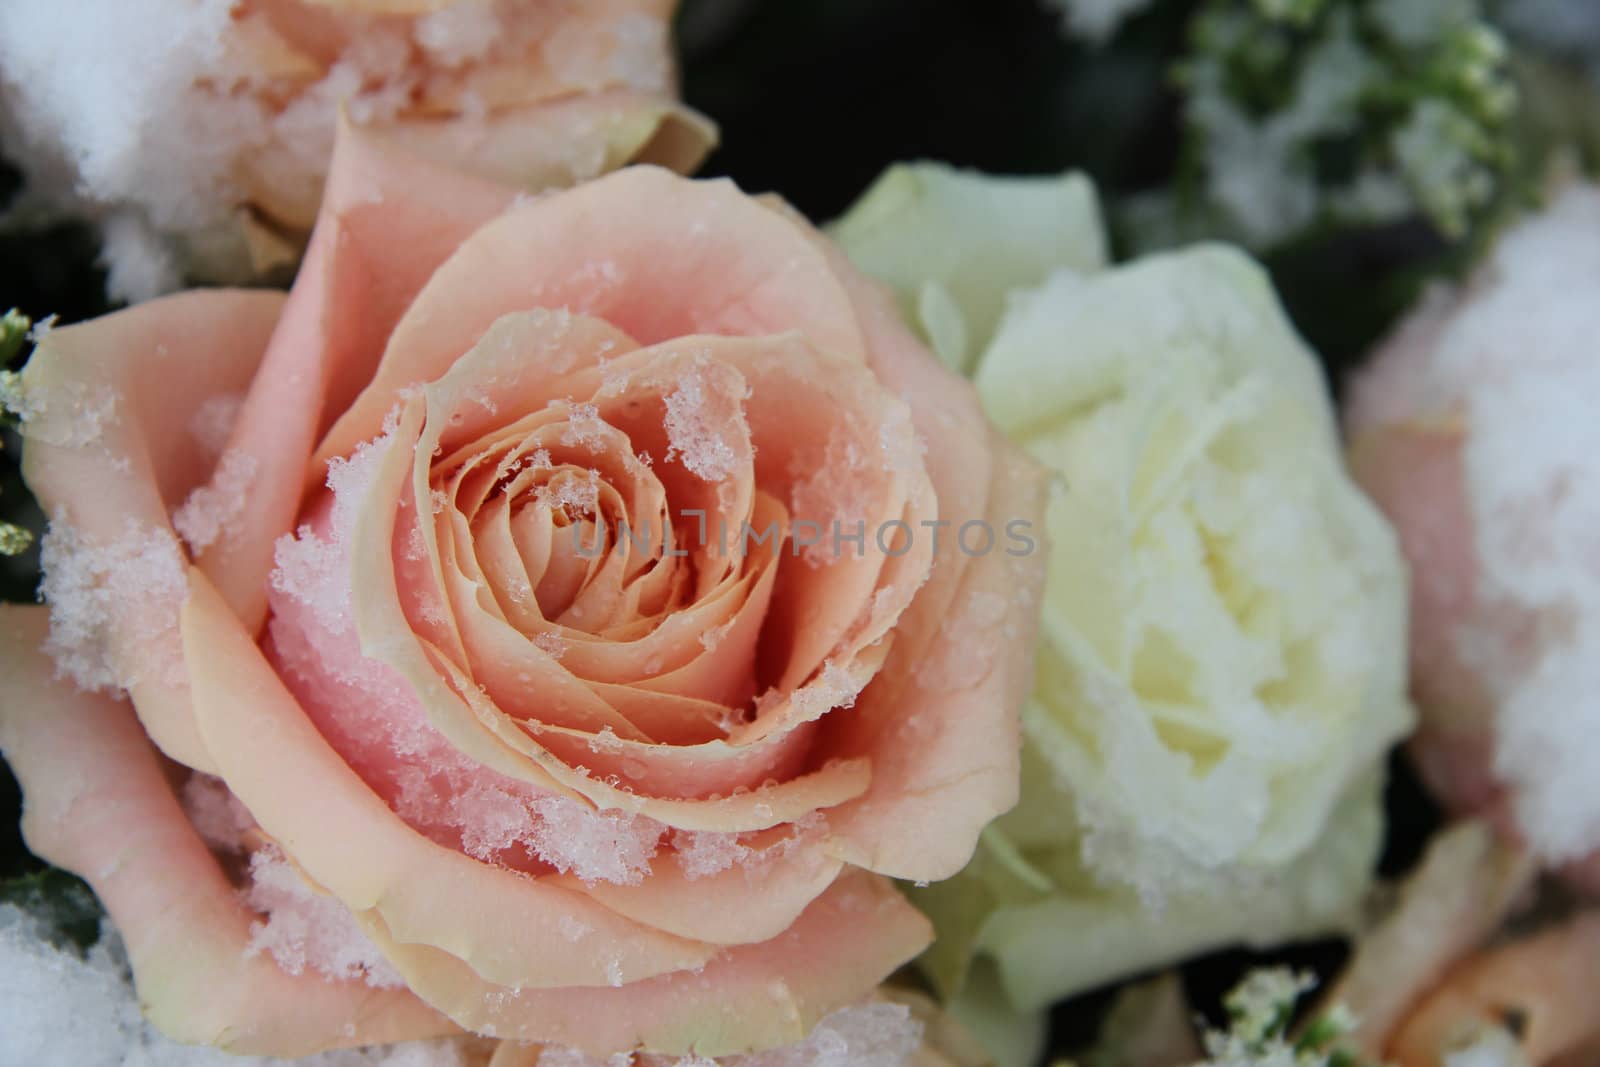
[1260,1009]
[1271,85]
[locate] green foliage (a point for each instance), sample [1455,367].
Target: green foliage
[1261,1011]
[14,327]
[14,330]
[1301,116]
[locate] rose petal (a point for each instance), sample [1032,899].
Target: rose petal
[157,365]
[944,745]
[744,904]
[386,223]
[750,997]
[973,238]
[561,142]
[1414,472]
[940,722]
[820,425]
[513,930]
[658,256]
[99,804]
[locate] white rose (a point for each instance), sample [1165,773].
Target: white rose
[1222,665]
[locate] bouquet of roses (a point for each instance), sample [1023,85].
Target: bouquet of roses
[480,595]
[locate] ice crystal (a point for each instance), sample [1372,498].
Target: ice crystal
[304,928]
[113,603]
[81,1009]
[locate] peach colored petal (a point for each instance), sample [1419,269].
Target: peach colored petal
[560,142]
[457,708]
[98,802]
[514,930]
[707,769]
[940,722]
[658,256]
[517,365]
[773,804]
[517,1054]
[565,92]
[520,363]
[1413,471]
[1545,981]
[1450,903]
[820,424]
[526,361]
[837,685]
[585,765]
[386,223]
[385,631]
[660,9]
[667,719]
[750,997]
[524,678]
[156,366]
[747,903]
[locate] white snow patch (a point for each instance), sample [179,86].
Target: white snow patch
[214,508]
[304,928]
[584,425]
[702,425]
[212,422]
[373,718]
[113,604]
[314,568]
[1517,360]
[69,414]
[66,1008]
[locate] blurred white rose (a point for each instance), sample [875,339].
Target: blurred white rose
[1223,660]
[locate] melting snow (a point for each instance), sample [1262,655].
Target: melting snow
[374,718]
[66,1008]
[700,420]
[304,928]
[213,421]
[214,508]
[113,605]
[1519,356]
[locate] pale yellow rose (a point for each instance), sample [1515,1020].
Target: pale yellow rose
[1223,642]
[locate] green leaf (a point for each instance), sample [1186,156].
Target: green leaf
[14,327]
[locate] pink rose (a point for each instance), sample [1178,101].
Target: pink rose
[1474,430]
[339,550]
[537,94]
[202,140]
